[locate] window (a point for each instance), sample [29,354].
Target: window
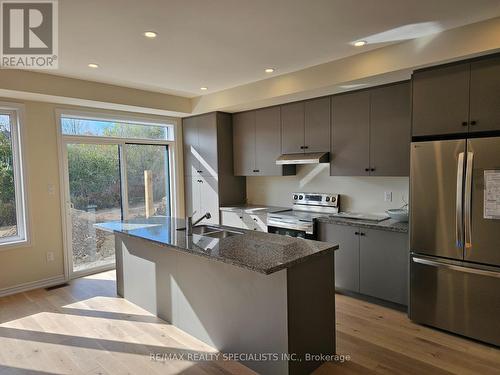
[12,203]
[115,129]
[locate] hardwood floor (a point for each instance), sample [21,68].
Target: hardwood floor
[84,328]
[381,340]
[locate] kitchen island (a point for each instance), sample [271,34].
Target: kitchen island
[266,298]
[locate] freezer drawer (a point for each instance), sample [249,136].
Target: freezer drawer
[455,298]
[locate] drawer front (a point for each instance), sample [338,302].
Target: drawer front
[232,219]
[455,298]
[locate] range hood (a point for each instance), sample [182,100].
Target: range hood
[304,158]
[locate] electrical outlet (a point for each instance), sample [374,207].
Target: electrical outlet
[50,256]
[51,189]
[388,196]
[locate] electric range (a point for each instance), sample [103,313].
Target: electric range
[299,221]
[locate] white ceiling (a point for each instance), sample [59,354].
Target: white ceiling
[226,43]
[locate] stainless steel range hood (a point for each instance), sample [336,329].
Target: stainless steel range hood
[307,158]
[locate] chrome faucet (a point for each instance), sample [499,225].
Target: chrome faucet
[190,224]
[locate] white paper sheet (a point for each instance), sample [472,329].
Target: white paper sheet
[492,194]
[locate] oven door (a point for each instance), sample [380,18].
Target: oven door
[290,232]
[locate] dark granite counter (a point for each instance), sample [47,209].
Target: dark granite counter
[254,209]
[257,251]
[389,224]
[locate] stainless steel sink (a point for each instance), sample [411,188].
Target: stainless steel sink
[214,232]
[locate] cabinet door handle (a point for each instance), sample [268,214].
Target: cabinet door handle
[367,169]
[356,233]
[372,169]
[464,123]
[306,147]
[256,170]
[301,147]
[473,122]
[362,234]
[199,171]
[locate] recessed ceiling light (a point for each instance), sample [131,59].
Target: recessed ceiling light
[204,88]
[360,43]
[150,34]
[269,70]
[93,66]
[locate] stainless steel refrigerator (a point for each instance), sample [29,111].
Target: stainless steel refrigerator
[455,236]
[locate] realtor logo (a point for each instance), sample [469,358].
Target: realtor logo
[29,34]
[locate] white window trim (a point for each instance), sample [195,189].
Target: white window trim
[23,238]
[175,161]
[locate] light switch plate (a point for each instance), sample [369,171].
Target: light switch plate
[388,196]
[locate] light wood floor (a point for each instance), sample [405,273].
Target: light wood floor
[85,329]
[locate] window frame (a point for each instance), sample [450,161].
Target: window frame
[16,113]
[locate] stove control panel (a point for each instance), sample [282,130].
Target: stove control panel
[316,199]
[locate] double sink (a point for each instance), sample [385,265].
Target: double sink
[214,232]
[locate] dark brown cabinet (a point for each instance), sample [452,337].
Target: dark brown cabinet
[371,132]
[305,126]
[390,112]
[208,165]
[350,154]
[440,100]
[369,261]
[485,95]
[257,143]
[457,99]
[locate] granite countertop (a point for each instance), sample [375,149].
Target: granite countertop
[254,209]
[388,224]
[257,251]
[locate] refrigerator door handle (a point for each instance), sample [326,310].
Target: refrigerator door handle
[468,200]
[459,224]
[475,271]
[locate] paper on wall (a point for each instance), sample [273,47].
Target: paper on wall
[492,194]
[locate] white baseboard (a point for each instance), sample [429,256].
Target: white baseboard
[44,283]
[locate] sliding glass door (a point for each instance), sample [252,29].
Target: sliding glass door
[113,170]
[95,196]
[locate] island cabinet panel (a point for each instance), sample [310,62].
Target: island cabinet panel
[292,128]
[244,143]
[485,95]
[441,100]
[317,125]
[346,257]
[383,266]
[350,134]
[390,133]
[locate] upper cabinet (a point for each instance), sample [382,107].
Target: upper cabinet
[361,124]
[257,141]
[485,95]
[200,145]
[305,126]
[350,154]
[390,113]
[458,98]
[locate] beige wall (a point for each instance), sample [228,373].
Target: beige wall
[26,264]
[364,194]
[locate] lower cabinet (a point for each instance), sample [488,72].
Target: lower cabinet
[202,196]
[243,220]
[369,261]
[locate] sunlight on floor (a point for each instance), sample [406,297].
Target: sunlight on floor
[80,329]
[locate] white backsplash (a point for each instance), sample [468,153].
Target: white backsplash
[362,194]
